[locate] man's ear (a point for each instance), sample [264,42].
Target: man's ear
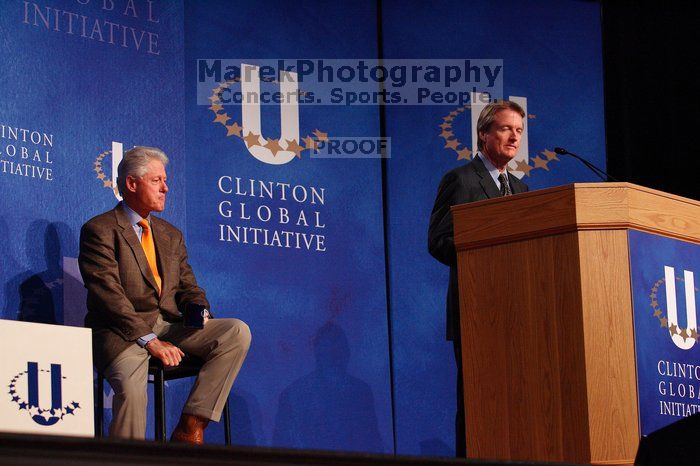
[131,183]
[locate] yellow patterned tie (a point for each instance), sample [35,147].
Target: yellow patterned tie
[149,248]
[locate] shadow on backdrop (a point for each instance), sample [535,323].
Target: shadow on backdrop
[303,419]
[246,428]
[8,266]
[36,295]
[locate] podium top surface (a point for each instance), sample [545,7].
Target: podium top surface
[575,207]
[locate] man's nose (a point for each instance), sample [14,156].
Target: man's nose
[164,188]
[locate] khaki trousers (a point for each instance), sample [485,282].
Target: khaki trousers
[222,343]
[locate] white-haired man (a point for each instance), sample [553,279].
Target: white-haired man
[140,285]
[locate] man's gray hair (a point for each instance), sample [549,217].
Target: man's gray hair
[135,163]
[488,114]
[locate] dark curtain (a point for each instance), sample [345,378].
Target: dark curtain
[649,52]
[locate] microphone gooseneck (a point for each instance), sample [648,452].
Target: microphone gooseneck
[599,172]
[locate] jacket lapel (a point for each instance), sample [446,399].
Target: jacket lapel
[129,235]
[163,248]
[515,184]
[486,182]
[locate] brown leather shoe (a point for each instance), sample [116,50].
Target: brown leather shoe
[190,430]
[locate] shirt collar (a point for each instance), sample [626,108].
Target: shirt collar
[493,171]
[134,218]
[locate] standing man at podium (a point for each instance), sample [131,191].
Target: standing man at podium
[499,129]
[140,285]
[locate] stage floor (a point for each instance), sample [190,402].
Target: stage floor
[27,450]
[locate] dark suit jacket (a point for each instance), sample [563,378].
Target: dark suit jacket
[123,301]
[468,183]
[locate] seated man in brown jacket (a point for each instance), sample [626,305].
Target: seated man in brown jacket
[140,284]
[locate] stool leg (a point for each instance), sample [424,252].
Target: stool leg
[227,424]
[99,406]
[159,402]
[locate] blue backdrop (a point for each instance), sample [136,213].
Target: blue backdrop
[551,55]
[80,89]
[318,372]
[80,75]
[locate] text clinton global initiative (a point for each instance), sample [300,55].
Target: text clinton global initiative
[272,213]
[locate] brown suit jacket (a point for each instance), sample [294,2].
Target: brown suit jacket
[123,301]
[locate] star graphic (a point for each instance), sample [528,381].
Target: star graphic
[550,155]
[664,322]
[540,163]
[23,405]
[693,334]
[101,176]
[464,154]
[15,399]
[214,98]
[310,143]
[75,405]
[216,107]
[223,119]
[531,116]
[97,164]
[523,167]
[69,410]
[445,125]
[97,169]
[446,134]
[273,145]
[448,118]
[293,146]
[106,184]
[654,302]
[657,313]
[252,139]
[453,114]
[684,333]
[234,129]
[321,135]
[673,329]
[452,144]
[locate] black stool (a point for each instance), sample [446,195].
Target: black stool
[188,367]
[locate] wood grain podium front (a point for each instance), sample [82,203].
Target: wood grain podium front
[547,323]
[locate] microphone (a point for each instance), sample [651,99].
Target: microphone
[591,167]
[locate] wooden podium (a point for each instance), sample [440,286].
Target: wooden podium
[547,323]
